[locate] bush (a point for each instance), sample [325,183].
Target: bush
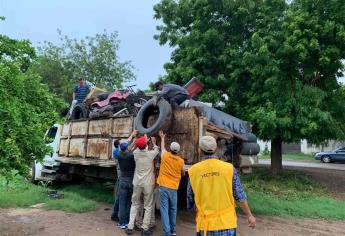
[27,109]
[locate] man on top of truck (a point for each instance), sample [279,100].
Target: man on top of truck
[173,93]
[79,93]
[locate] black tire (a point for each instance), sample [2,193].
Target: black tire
[163,121]
[80,111]
[326,159]
[251,138]
[250,149]
[102,96]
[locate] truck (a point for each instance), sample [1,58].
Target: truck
[83,148]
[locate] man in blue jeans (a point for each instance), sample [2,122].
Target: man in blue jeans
[170,171]
[116,151]
[127,166]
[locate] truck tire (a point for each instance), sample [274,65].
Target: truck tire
[251,138]
[250,149]
[80,111]
[163,121]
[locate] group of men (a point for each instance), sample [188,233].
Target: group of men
[213,188]
[213,185]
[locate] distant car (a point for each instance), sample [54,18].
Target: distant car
[331,156]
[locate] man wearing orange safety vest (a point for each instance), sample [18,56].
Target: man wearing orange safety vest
[170,171]
[213,188]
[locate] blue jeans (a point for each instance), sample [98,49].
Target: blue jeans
[115,213]
[168,209]
[125,196]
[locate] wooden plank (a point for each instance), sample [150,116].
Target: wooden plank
[79,128]
[86,138]
[65,130]
[98,148]
[100,127]
[76,148]
[63,147]
[185,130]
[122,126]
[87,161]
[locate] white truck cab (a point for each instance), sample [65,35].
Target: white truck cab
[46,169]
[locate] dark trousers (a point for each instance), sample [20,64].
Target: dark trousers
[115,213]
[125,196]
[177,100]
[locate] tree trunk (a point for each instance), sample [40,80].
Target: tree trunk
[276,157]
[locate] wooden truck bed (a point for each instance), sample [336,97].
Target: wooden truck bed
[90,142]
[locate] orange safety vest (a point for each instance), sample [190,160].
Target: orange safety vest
[211,181]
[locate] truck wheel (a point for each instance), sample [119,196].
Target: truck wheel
[162,122]
[251,138]
[250,149]
[80,111]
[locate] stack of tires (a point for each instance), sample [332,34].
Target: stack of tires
[250,146]
[250,149]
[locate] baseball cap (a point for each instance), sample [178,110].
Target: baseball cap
[123,146]
[174,147]
[208,144]
[141,142]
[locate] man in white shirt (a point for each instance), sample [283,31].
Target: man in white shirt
[143,183]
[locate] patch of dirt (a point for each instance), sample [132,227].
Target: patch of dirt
[40,222]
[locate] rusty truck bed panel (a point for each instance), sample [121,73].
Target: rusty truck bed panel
[91,141]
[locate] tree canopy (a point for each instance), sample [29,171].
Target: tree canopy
[27,108]
[278,62]
[94,58]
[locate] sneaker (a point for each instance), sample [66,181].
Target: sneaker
[152,228]
[122,226]
[129,231]
[146,233]
[173,234]
[137,228]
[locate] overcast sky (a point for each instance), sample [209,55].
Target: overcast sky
[38,20]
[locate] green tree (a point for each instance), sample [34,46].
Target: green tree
[27,108]
[93,58]
[278,62]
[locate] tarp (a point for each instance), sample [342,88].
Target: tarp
[222,119]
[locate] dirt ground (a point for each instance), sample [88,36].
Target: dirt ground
[36,221]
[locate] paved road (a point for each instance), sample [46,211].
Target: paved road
[301,164]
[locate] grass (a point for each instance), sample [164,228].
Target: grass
[77,198]
[294,157]
[82,198]
[290,195]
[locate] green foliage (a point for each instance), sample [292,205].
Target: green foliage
[16,191]
[266,152]
[27,109]
[278,62]
[290,195]
[94,58]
